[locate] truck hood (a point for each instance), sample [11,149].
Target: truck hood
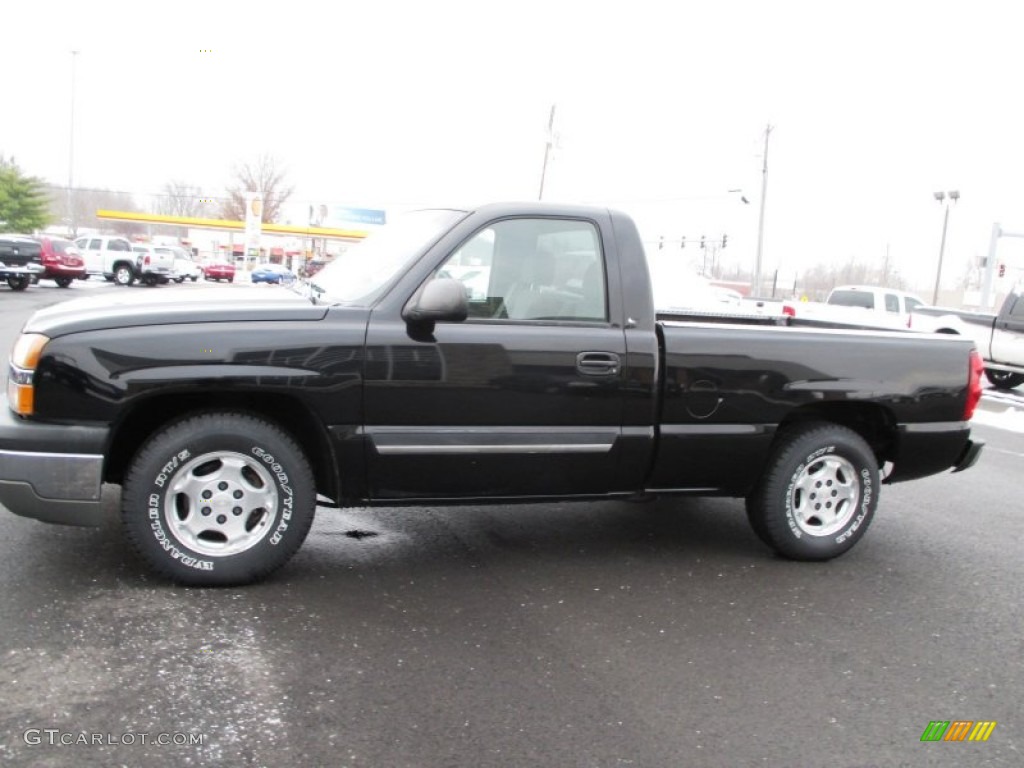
[128,307]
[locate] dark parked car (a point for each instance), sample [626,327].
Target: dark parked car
[62,262]
[272,273]
[313,266]
[20,261]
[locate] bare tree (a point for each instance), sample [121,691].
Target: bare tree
[972,273]
[86,202]
[263,176]
[179,198]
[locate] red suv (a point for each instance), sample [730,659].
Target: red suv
[61,261]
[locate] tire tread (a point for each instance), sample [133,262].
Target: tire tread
[772,527]
[134,497]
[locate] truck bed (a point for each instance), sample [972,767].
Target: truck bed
[723,401]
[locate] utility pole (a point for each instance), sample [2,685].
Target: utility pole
[952,197]
[72,218]
[760,221]
[990,267]
[547,151]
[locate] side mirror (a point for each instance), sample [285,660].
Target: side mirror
[442,299]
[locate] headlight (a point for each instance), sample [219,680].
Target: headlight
[24,359]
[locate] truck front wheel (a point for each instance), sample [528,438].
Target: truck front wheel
[1004,379]
[818,493]
[218,499]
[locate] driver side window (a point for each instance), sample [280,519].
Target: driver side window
[532,269]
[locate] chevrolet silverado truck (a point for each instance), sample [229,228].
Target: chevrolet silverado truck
[998,337]
[505,353]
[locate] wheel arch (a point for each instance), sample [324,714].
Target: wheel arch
[875,423]
[287,413]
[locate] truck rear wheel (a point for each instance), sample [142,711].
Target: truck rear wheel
[218,499]
[124,274]
[1004,379]
[818,494]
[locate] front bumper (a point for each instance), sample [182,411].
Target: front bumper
[51,472]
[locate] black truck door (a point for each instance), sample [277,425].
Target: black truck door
[524,397]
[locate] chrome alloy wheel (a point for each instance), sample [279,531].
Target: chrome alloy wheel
[824,495]
[221,503]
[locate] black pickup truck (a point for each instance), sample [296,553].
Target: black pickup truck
[506,353]
[20,261]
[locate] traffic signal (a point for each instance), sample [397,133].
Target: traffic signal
[1002,270]
[661,242]
[725,239]
[702,241]
[682,241]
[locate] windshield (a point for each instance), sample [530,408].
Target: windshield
[358,275]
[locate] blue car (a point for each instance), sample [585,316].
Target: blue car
[272,273]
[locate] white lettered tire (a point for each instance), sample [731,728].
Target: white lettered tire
[218,499]
[818,493]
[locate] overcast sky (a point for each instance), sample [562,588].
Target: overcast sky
[661,110]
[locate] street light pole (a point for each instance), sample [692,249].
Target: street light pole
[547,151]
[760,220]
[72,218]
[954,195]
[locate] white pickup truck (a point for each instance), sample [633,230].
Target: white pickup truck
[184,265]
[998,337]
[866,306]
[117,259]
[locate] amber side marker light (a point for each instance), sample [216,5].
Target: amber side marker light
[24,359]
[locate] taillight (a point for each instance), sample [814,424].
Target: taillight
[975,367]
[146,260]
[788,309]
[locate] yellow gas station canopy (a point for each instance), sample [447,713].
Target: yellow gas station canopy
[348,235]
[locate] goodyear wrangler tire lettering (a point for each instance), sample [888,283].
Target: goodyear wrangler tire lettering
[818,493]
[218,498]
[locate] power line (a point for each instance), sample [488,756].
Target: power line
[200,196]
